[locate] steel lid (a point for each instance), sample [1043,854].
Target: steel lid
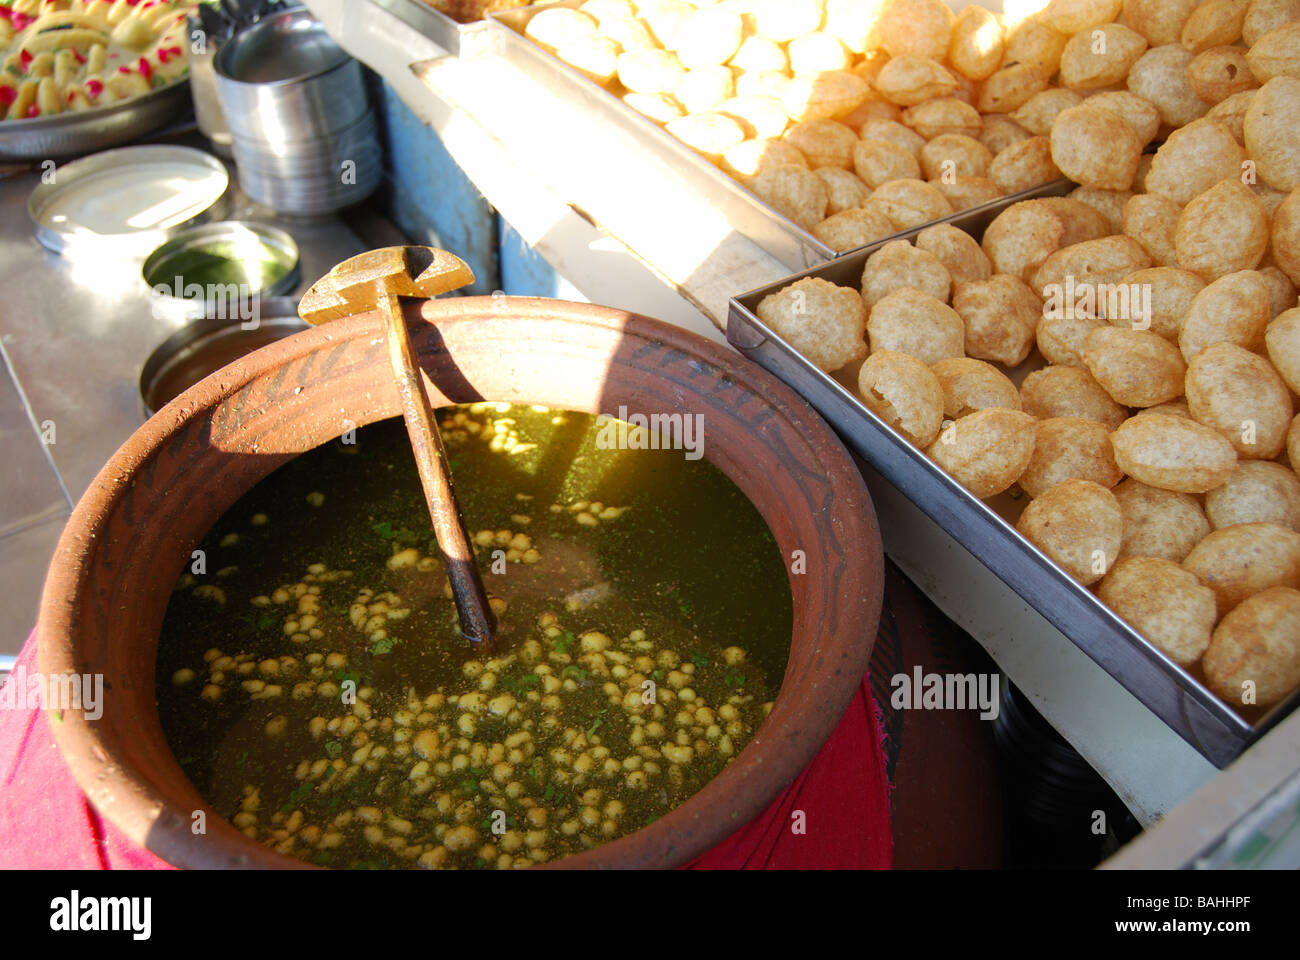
[131,198]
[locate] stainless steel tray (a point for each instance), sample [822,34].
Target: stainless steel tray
[86,131]
[1172,693]
[437,26]
[781,237]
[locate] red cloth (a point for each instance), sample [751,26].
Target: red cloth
[46,822]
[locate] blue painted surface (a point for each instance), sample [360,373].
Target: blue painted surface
[428,196]
[431,200]
[524,273]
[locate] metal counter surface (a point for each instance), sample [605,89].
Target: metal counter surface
[74,333]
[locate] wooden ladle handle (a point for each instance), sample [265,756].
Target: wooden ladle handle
[375,280]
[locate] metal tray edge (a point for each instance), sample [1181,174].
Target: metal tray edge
[434,24]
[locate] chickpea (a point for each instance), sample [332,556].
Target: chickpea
[677,754]
[433,859]
[425,744]
[460,838]
[276,726]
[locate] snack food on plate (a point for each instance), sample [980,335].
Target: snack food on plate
[63,55]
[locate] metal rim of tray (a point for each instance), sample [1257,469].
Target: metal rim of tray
[85,131]
[1173,693]
[432,23]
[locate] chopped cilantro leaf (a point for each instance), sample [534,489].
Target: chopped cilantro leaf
[297,795]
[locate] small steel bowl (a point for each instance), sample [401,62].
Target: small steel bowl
[174,270]
[208,344]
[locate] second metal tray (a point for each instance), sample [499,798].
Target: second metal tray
[778,235]
[1176,696]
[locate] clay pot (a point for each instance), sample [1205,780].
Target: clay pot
[131,535]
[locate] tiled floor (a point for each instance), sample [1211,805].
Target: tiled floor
[24,560]
[33,509]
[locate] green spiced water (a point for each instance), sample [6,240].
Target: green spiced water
[314,685]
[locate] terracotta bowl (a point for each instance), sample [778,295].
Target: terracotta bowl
[132,534]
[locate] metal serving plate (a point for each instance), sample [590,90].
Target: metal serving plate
[85,131]
[1176,696]
[778,235]
[434,24]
